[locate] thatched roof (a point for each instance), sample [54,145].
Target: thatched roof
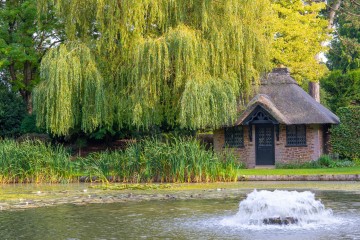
[287,102]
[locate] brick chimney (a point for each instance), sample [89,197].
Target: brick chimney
[314,90]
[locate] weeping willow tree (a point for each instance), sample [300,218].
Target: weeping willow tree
[73,93]
[142,63]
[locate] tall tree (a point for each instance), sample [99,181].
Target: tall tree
[342,84]
[23,42]
[343,89]
[344,54]
[150,62]
[300,31]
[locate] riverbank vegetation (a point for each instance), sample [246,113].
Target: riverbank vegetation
[325,161]
[35,162]
[176,160]
[173,160]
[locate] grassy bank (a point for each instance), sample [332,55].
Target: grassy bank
[318,171]
[175,160]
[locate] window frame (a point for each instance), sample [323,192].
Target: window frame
[230,130]
[297,132]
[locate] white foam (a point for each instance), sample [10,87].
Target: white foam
[260,205]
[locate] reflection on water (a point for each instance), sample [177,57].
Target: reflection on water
[172,219]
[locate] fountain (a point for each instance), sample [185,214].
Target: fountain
[280,208]
[269,215]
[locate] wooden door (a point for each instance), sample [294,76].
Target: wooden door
[265,147]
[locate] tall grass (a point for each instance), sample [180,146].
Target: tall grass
[149,160]
[175,160]
[34,161]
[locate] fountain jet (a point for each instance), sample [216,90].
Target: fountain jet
[280,208]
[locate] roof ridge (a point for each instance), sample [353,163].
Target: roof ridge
[278,76]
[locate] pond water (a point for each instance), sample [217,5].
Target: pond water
[176,219]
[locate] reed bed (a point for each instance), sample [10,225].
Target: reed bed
[175,160]
[149,160]
[34,161]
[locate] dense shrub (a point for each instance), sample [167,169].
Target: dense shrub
[327,161]
[28,125]
[356,161]
[324,161]
[342,89]
[12,112]
[345,138]
[296,165]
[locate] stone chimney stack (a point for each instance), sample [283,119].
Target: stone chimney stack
[281,71]
[314,90]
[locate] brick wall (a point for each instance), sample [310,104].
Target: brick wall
[283,154]
[312,151]
[245,154]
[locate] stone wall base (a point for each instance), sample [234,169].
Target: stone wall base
[335,177]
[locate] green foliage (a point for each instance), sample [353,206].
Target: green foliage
[344,53]
[324,161]
[12,112]
[343,89]
[73,94]
[28,125]
[345,138]
[356,161]
[177,63]
[34,162]
[16,41]
[343,83]
[306,165]
[23,42]
[102,134]
[299,33]
[177,160]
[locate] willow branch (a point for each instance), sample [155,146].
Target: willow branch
[355,2]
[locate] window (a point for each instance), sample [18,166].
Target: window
[296,135]
[234,136]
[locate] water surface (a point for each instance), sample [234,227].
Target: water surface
[172,219]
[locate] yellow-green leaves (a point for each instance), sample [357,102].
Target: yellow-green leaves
[72,93]
[207,103]
[177,62]
[299,34]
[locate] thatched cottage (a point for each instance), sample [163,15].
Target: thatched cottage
[281,124]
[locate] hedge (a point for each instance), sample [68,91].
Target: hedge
[345,138]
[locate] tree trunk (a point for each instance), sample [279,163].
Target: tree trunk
[28,102]
[12,72]
[333,9]
[314,90]
[26,93]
